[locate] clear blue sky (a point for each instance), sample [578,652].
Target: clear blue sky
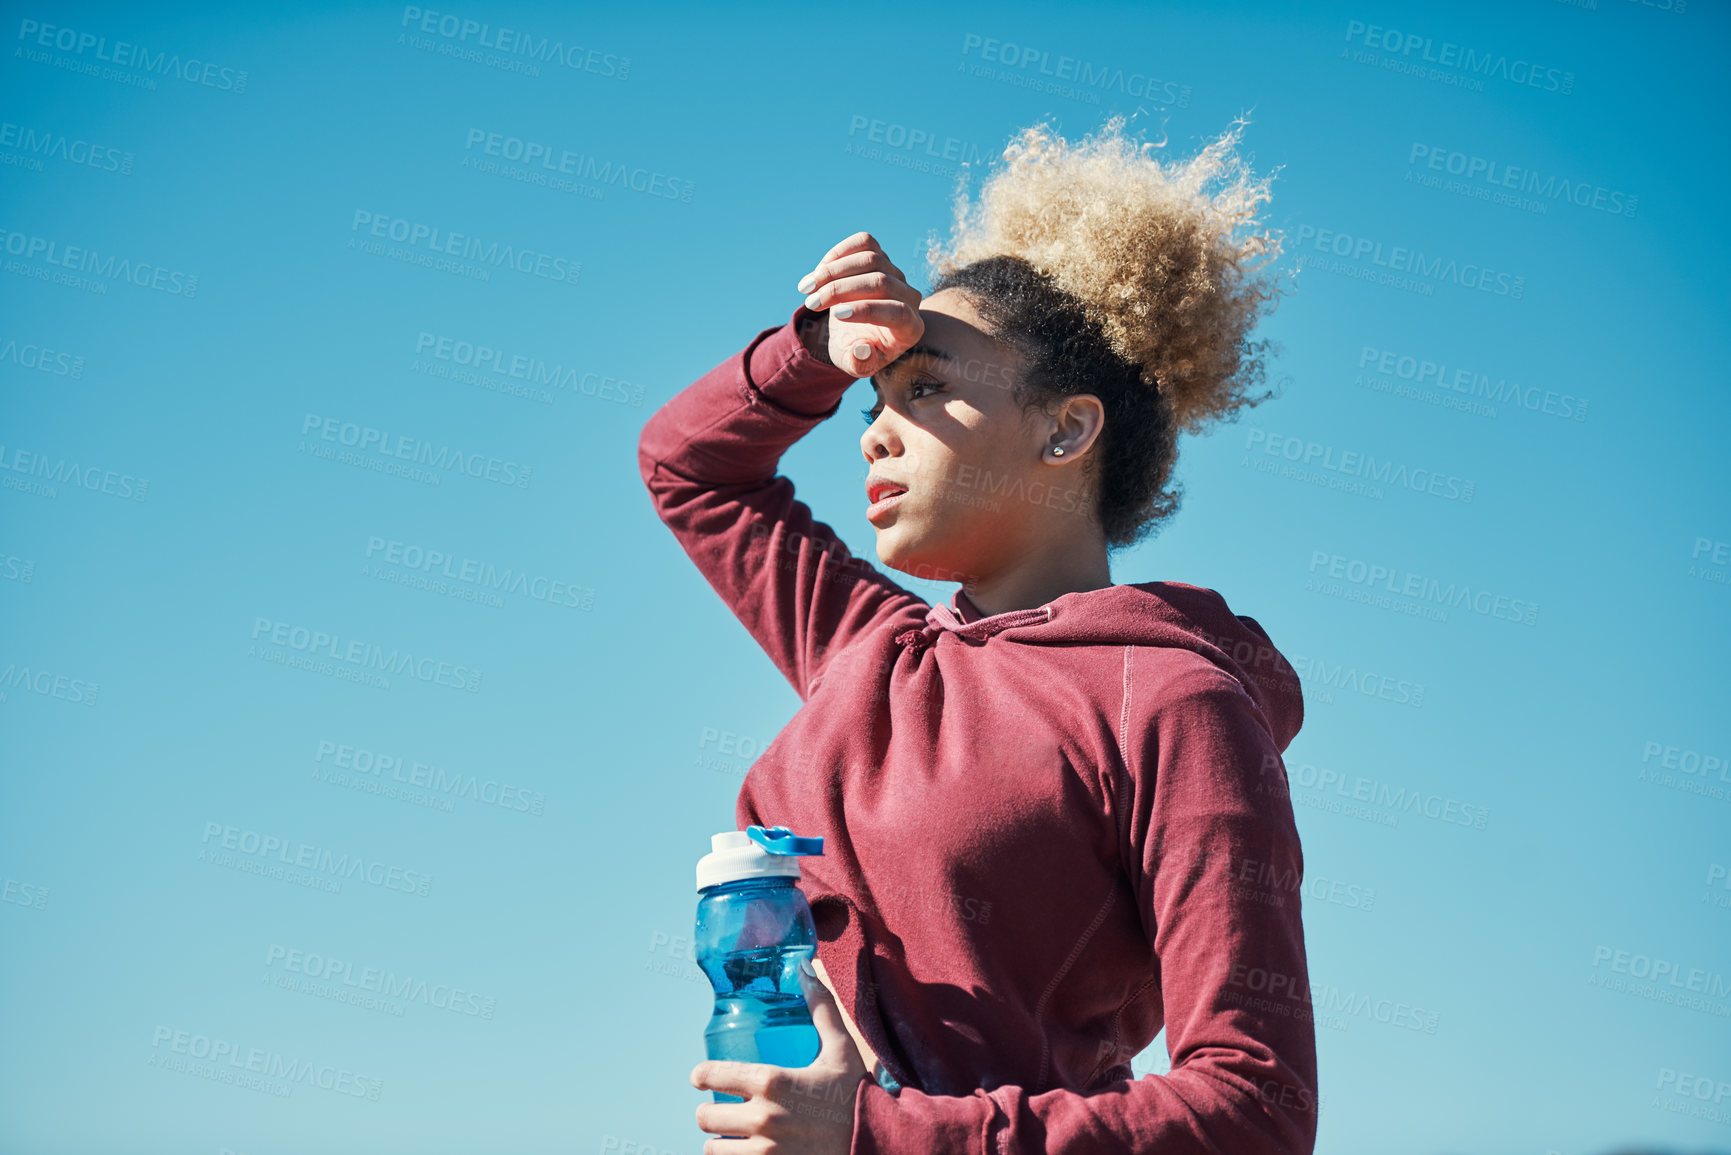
[1551,333]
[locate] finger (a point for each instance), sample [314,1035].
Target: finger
[896,315]
[860,262]
[730,1119]
[732,1146]
[865,261]
[866,286]
[730,1077]
[852,244]
[825,1016]
[862,358]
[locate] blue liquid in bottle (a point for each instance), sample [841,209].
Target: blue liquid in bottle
[751,937]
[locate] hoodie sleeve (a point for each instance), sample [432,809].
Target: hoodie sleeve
[1204,810]
[709,458]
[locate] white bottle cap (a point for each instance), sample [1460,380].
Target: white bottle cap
[733,856]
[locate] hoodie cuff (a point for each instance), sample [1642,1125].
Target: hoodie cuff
[782,371]
[886,1124]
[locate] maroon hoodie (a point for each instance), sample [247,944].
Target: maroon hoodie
[1047,832]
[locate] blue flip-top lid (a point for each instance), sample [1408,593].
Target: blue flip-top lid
[781,840]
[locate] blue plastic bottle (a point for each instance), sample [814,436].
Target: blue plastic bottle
[754,928]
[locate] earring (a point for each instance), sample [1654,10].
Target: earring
[1057,451]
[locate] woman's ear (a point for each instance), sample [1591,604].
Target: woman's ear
[1075,425]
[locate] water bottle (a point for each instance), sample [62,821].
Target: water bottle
[754,928]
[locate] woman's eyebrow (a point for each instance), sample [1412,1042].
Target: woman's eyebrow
[931,352]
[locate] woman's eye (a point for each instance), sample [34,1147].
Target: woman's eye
[871,414]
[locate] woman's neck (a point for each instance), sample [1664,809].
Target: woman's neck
[1037,581]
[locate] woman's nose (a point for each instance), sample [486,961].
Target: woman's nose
[878,442]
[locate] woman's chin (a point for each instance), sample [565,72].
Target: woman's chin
[906,558]
[894,548]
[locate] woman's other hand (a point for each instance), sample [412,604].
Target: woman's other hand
[873,314]
[789,1110]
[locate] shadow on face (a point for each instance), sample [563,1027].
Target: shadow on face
[947,427]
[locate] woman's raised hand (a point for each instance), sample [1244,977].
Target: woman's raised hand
[872,311]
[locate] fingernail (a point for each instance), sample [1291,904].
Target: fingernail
[808,283]
[806,967]
[862,352]
[812,301]
[842,311]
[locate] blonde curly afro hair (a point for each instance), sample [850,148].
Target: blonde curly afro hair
[1127,277]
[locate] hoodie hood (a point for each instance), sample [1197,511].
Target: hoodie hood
[1172,614]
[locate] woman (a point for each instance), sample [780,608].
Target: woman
[1054,811]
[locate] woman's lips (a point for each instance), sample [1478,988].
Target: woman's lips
[884,504]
